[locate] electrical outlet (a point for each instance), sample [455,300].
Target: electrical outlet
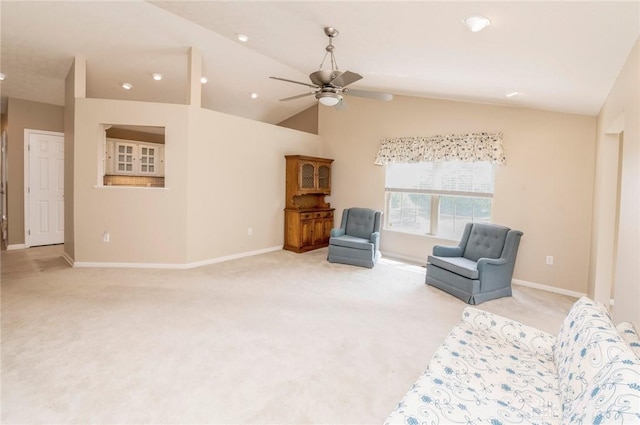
[550,260]
[250,231]
[106,237]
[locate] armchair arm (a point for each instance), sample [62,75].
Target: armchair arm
[375,240]
[494,273]
[337,232]
[487,263]
[447,251]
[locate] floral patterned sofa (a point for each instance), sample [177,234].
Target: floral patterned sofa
[492,370]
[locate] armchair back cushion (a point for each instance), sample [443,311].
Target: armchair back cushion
[362,222]
[485,241]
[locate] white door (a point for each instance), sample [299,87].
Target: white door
[45,189]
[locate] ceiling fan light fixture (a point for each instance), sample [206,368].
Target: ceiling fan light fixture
[476,22]
[329,99]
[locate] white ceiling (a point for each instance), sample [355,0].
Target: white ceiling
[560,56]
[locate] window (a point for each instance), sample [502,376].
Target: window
[438,198]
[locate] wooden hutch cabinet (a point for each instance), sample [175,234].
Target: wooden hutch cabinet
[308,219]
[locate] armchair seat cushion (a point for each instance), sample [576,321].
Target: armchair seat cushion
[351,242]
[458,265]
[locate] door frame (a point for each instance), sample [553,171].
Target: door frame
[27,164]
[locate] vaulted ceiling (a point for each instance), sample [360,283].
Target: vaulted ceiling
[560,56]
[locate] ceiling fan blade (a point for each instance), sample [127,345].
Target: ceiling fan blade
[295,82]
[342,105]
[298,96]
[345,79]
[369,94]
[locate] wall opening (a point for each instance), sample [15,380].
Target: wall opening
[131,156]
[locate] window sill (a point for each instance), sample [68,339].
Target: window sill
[429,237]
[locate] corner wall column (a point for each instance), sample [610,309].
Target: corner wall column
[194,97]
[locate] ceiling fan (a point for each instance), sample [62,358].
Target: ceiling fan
[331,84]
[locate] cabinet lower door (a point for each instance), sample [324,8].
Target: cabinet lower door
[306,233]
[318,232]
[327,225]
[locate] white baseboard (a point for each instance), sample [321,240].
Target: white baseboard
[173,265]
[67,258]
[391,256]
[16,246]
[548,288]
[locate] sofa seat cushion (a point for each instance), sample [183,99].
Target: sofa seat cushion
[438,398]
[483,358]
[489,369]
[458,265]
[351,242]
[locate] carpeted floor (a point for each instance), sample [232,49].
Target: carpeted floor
[274,338]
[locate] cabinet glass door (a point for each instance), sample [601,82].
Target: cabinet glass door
[124,159]
[147,160]
[307,176]
[324,177]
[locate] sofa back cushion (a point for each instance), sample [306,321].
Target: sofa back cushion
[586,343]
[485,241]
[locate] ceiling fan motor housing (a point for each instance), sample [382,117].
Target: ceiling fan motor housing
[324,77]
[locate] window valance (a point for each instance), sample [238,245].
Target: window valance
[450,147]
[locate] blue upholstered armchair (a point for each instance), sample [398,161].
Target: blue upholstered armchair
[480,268]
[357,241]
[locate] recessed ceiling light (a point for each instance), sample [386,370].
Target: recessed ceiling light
[204,80]
[242,37]
[512,94]
[127,86]
[254,95]
[2,76]
[476,22]
[157,76]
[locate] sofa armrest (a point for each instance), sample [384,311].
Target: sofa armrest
[512,331]
[447,251]
[337,232]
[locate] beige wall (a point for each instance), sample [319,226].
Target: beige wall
[617,250]
[306,120]
[223,174]
[146,225]
[21,115]
[545,189]
[237,182]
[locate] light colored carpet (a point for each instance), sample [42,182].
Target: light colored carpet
[275,338]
